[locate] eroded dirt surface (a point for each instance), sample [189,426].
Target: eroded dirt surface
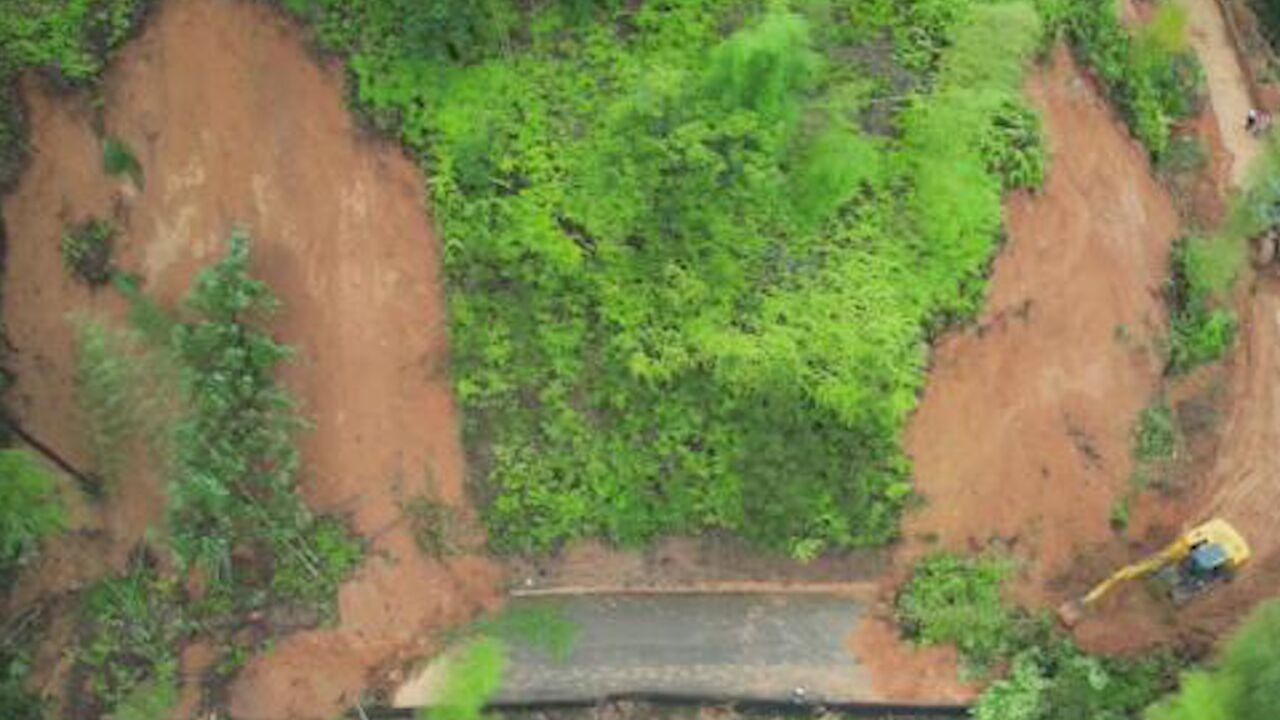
[236,126]
[1023,433]
[1024,429]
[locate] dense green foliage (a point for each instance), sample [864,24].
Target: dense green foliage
[956,600]
[86,251]
[233,454]
[695,249]
[1268,11]
[1245,685]
[29,508]
[1054,680]
[1154,79]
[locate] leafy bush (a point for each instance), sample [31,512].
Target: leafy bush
[86,251]
[234,459]
[473,676]
[30,509]
[1199,331]
[1156,437]
[15,700]
[1053,680]
[133,626]
[1014,146]
[118,159]
[1245,685]
[956,600]
[1153,78]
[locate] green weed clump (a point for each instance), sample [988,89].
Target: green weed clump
[957,600]
[108,383]
[1014,147]
[680,267]
[233,455]
[30,509]
[1156,437]
[86,251]
[118,159]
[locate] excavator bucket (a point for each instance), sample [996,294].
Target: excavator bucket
[1070,613]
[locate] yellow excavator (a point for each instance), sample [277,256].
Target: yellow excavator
[1200,560]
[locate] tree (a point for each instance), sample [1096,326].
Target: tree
[1244,686]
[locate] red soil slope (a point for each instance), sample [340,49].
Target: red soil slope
[236,126]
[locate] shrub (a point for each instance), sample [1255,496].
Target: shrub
[1014,146]
[30,509]
[118,159]
[956,600]
[234,459]
[1245,685]
[1199,331]
[134,626]
[86,251]
[1156,436]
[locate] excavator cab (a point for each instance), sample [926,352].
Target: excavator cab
[1200,560]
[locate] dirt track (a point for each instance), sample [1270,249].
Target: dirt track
[235,125]
[1228,85]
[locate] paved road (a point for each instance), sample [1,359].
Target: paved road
[738,645]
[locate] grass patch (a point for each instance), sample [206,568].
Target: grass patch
[473,676]
[86,251]
[957,600]
[1155,438]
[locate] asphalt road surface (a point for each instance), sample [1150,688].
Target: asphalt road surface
[753,646]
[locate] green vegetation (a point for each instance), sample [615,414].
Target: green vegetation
[1244,685]
[134,627]
[86,251]
[108,385]
[29,508]
[1054,680]
[70,39]
[1201,330]
[233,455]
[1153,78]
[1156,437]
[956,600]
[118,159]
[697,247]
[473,676]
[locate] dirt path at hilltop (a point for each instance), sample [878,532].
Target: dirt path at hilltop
[236,126]
[1227,83]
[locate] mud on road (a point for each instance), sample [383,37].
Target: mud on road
[237,126]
